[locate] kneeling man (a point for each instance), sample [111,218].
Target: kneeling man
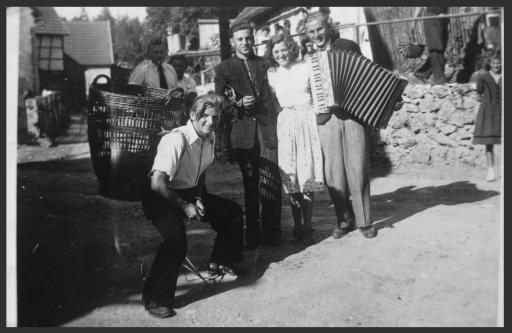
[178,194]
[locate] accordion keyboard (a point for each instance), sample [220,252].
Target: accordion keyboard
[318,91]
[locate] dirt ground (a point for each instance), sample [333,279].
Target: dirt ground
[435,261]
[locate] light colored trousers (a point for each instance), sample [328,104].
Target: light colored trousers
[346,165]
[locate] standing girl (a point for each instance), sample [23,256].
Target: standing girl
[488,118]
[299,151]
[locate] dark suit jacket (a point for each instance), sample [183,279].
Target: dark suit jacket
[243,131]
[343,44]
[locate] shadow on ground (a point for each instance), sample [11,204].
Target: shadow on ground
[68,264]
[78,251]
[396,206]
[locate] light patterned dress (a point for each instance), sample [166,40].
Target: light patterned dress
[299,151]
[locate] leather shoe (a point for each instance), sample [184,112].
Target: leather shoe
[340,232]
[159,311]
[296,236]
[368,232]
[308,238]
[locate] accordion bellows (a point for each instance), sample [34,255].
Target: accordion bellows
[356,84]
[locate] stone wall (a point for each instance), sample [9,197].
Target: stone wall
[434,127]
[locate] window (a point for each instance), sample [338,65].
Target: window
[51,55]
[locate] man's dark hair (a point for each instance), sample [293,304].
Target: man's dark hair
[324,10]
[157,42]
[240,25]
[178,57]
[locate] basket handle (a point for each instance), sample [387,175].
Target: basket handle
[94,82]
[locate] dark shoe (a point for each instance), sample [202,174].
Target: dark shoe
[420,77]
[307,237]
[340,232]
[368,232]
[159,311]
[296,236]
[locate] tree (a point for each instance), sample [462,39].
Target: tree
[182,20]
[129,38]
[82,17]
[105,15]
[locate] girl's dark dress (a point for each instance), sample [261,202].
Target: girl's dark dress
[488,118]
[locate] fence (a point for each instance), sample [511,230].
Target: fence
[396,23]
[23,136]
[53,115]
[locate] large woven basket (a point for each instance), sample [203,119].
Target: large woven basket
[123,126]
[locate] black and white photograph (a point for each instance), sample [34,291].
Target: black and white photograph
[239,166]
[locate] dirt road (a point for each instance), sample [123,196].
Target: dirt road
[435,261]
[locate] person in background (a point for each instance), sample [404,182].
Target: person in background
[185,82]
[326,11]
[263,40]
[436,36]
[178,194]
[488,118]
[288,27]
[253,137]
[155,73]
[280,30]
[492,32]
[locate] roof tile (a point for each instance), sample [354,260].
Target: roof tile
[89,43]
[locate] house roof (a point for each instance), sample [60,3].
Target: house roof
[48,22]
[89,43]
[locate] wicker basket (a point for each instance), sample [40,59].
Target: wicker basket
[123,126]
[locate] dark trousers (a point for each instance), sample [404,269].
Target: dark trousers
[262,186]
[224,216]
[436,37]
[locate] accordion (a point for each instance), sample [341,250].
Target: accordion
[356,84]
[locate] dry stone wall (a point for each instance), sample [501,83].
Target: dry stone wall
[434,127]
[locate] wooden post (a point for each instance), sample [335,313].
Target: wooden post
[225,46]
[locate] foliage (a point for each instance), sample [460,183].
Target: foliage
[128,35]
[83,16]
[182,20]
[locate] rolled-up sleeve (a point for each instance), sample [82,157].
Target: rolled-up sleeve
[168,154]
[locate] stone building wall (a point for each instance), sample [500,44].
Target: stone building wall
[434,127]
